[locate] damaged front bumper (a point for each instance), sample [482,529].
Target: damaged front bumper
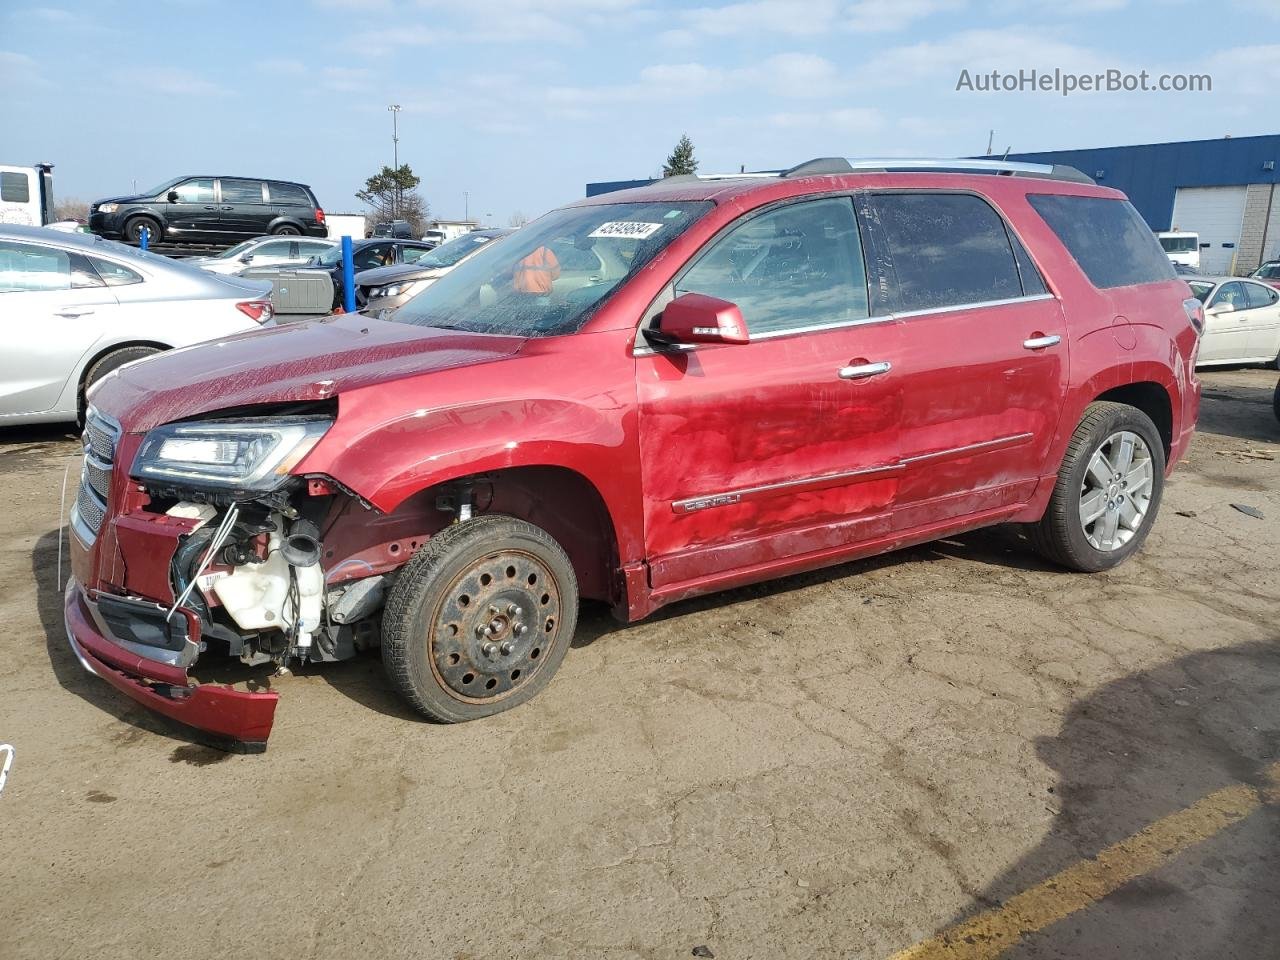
[156,677]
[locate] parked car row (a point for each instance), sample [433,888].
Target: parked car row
[390,287]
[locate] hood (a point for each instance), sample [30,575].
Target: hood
[313,360]
[131,198]
[396,273]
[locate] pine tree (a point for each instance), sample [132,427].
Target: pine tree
[682,159]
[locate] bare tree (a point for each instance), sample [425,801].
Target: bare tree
[517,220]
[72,208]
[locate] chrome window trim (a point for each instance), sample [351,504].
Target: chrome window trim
[980,305]
[647,351]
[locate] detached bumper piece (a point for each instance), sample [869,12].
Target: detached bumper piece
[222,712]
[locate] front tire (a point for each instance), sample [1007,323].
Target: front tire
[1108,491]
[480,619]
[133,230]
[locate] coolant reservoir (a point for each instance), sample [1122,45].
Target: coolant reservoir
[256,595]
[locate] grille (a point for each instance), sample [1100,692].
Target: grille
[90,509]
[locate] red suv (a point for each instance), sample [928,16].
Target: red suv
[638,398]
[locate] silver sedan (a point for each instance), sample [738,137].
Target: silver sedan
[77,307]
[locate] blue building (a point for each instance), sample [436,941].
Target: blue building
[1225,190]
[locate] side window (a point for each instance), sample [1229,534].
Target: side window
[15,187]
[114,274]
[311,249]
[83,276]
[1260,296]
[26,269]
[286,194]
[241,191]
[276,248]
[378,255]
[796,266]
[195,191]
[1032,282]
[944,250]
[1108,239]
[1232,293]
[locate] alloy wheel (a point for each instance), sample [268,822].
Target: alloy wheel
[1116,492]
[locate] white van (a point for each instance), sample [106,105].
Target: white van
[1181,247]
[26,194]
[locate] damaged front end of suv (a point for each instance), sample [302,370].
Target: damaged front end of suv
[215,545]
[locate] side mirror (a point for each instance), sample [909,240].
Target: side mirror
[246,258]
[1224,307]
[698,318]
[173,196]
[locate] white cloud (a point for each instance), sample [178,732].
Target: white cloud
[346,79]
[840,120]
[792,18]
[167,81]
[282,67]
[1243,71]
[882,16]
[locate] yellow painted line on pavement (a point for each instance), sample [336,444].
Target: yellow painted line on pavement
[994,931]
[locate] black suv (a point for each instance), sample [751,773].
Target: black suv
[211,210]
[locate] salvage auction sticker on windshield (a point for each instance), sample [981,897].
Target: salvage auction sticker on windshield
[626,229]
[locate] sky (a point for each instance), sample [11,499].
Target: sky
[513,105]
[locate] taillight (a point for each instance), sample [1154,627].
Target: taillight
[319,215]
[258,310]
[1195,313]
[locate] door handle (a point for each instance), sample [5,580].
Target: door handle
[1039,343]
[226,208]
[211,208]
[72,312]
[864,370]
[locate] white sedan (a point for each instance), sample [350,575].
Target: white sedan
[77,307]
[1242,321]
[263,252]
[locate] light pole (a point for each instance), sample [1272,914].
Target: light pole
[395,153]
[466,205]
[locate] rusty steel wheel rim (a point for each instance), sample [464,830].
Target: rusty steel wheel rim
[494,627]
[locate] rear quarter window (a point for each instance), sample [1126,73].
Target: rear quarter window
[288,194]
[1108,239]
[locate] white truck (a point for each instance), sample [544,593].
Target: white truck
[1181,246]
[442,230]
[26,194]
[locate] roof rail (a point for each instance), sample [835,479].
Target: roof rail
[695,177]
[1008,168]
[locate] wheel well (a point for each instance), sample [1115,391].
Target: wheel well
[1153,400]
[565,504]
[105,351]
[149,217]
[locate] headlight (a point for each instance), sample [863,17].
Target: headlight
[254,456]
[109,208]
[394,289]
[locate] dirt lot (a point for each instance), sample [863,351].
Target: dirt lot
[836,765]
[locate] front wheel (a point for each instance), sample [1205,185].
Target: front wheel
[133,230]
[480,619]
[286,230]
[1108,490]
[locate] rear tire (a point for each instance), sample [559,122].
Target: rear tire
[1105,500]
[286,230]
[480,619]
[133,230]
[1275,401]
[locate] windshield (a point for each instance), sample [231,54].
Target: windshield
[548,277]
[332,256]
[1201,290]
[447,254]
[1180,244]
[1268,271]
[162,188]
[235,251]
